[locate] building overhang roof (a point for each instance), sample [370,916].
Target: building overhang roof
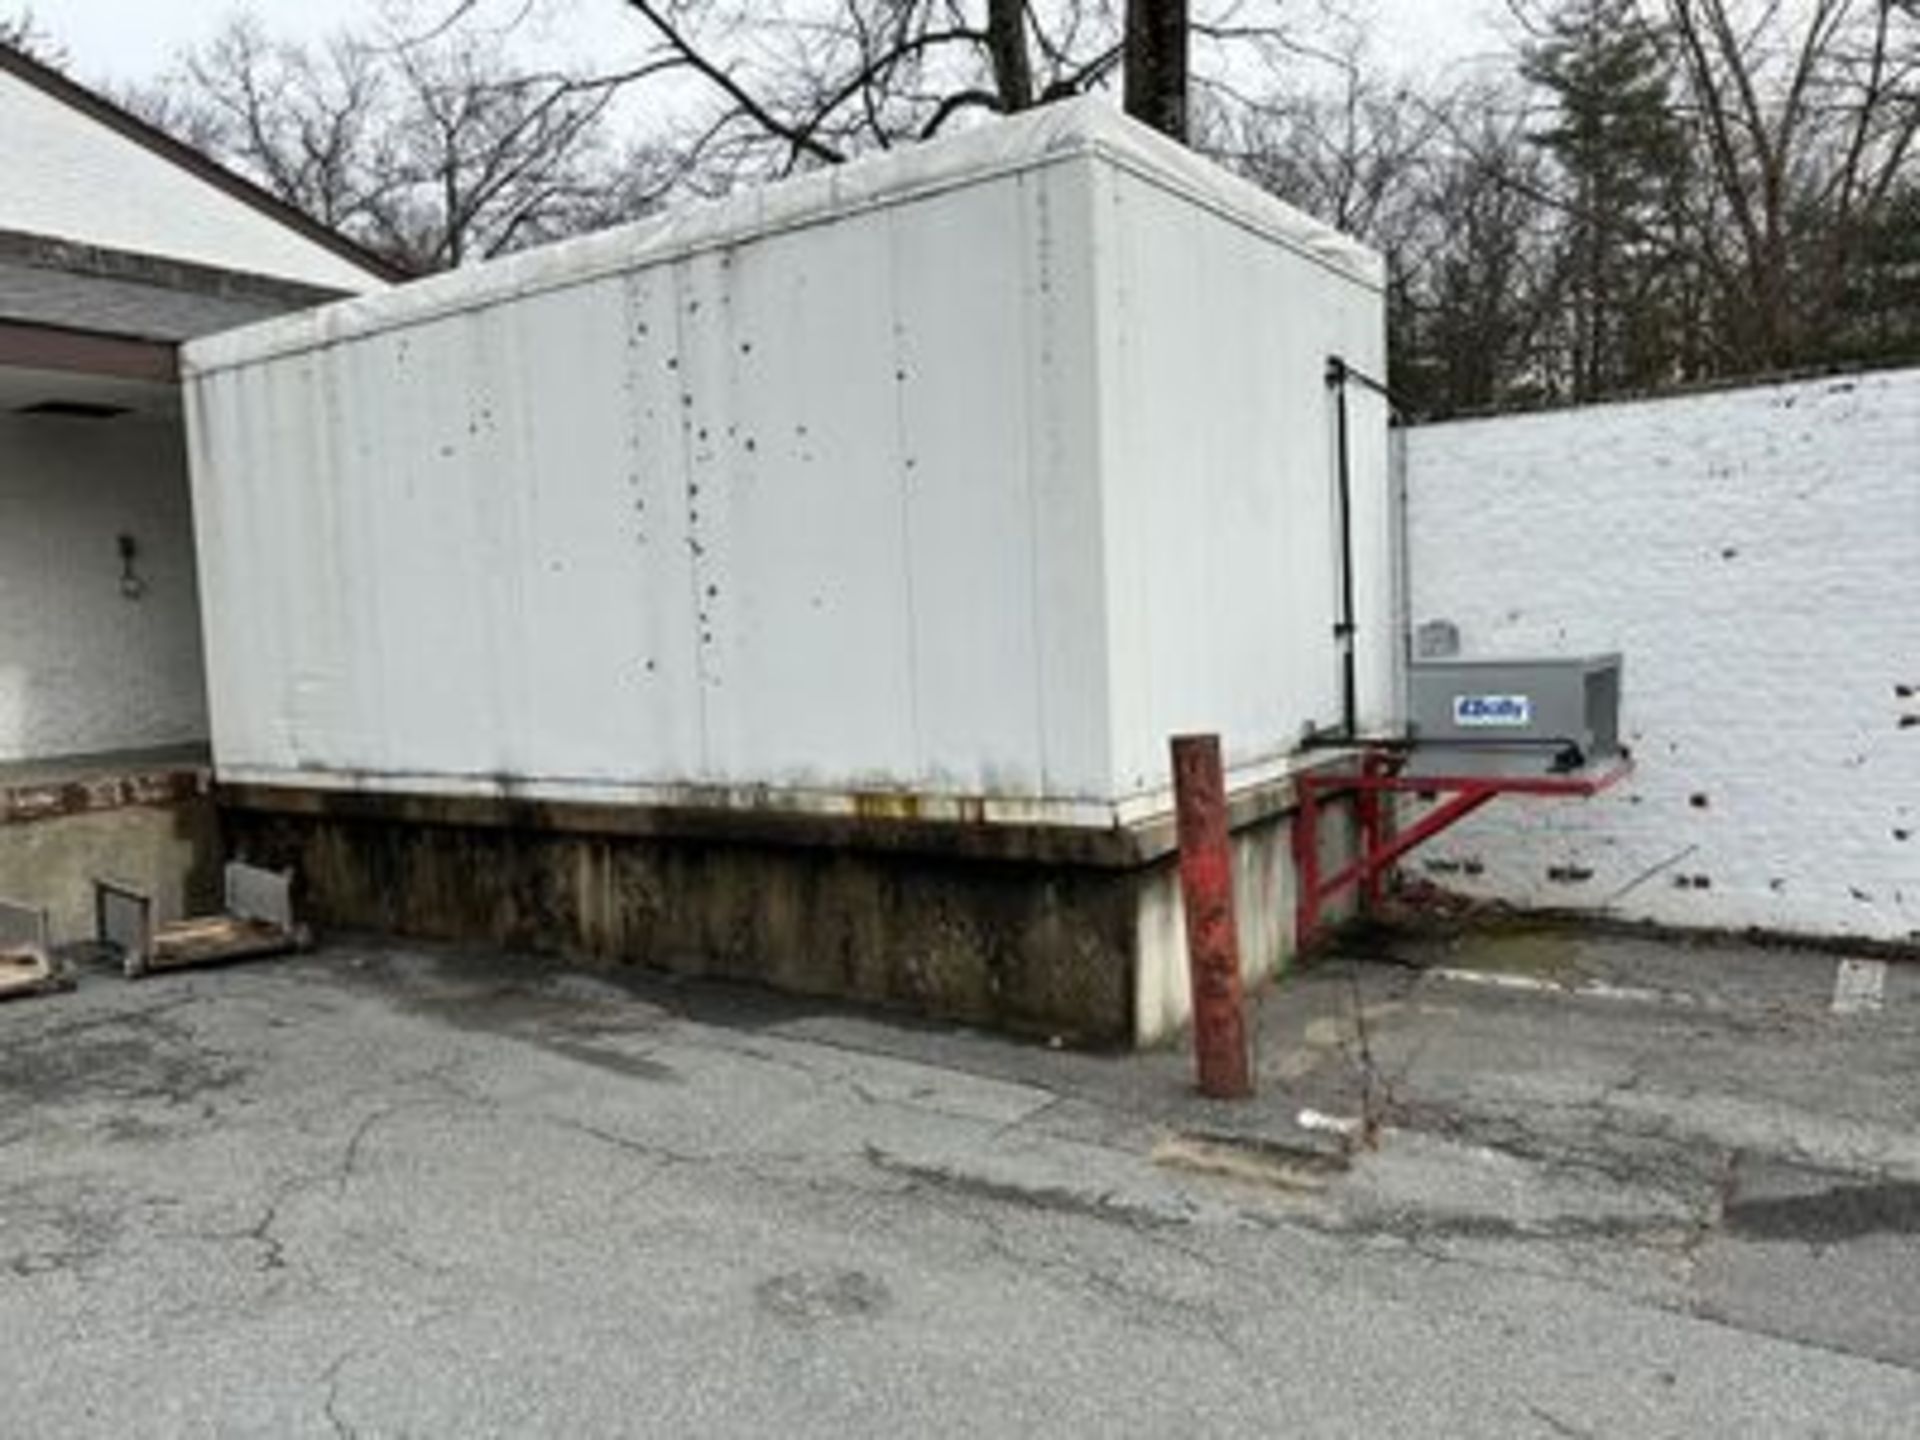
[25,346]
[52,282]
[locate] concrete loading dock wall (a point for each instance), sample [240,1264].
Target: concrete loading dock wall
[146,822]
[933,492]
[1753,553]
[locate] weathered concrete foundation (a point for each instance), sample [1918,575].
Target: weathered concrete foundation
[145,820]
[1043,929]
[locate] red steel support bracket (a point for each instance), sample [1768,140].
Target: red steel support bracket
[1213,939]
[1379,775]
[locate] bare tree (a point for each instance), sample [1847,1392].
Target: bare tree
[1349,150]
[802,82]
[1807,118]
[1744,199]
[433,150]
[1721,188]
[809,82]
[21,30]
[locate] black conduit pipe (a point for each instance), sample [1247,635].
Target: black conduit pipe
[1343,623]
[1345,627]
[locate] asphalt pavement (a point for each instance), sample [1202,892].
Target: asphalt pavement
[1531,1182]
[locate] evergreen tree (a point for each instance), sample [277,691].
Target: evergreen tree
[1621,157]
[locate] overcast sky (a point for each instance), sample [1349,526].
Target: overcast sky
[135,39]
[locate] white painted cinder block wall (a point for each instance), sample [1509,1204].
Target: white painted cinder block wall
[84,668]
[1756,555]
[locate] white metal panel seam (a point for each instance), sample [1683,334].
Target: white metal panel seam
[903,488]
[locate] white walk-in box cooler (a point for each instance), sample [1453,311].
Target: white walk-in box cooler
[929,493]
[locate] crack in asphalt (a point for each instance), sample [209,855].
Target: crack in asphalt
[1554,1423]
[1052,1199]
[330,1377]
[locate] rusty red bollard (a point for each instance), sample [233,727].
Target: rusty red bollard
[1213,938]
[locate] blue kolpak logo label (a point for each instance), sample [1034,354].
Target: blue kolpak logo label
[1492,710]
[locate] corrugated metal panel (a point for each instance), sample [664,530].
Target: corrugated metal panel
[1218,467]
[896,503]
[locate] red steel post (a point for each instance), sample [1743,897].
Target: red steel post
[1306,861]
[1370,805]
[1213,940]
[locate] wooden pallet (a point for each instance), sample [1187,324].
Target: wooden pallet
[210,939]
[26,960]
[24,972]
[257,921]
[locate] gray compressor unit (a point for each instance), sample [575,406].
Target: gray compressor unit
[1568,706]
